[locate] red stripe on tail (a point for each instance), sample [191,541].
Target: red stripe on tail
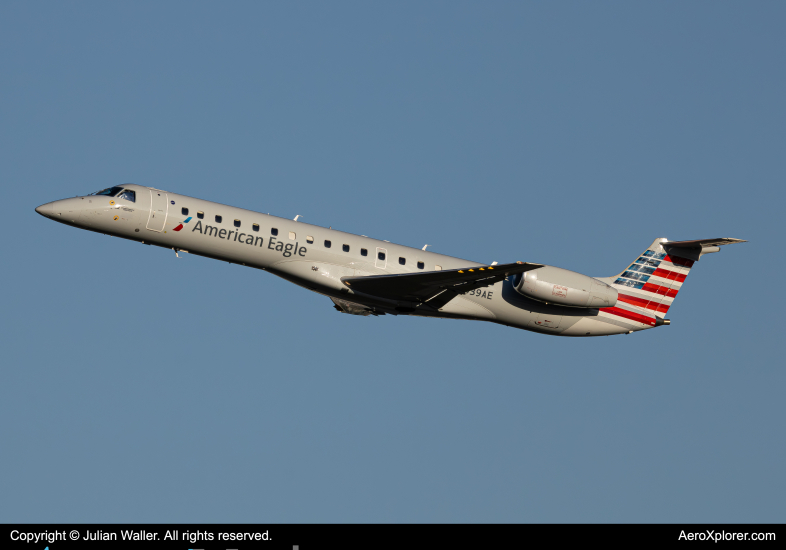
[641,302]
[657,289]
[679,261]
[671,275]
[639,318]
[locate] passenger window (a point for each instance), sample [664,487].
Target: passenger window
[309,239]
[363,252]
[402,261]
[128,195]
[292,236]
[200,215]
[184,211]
[437,268]
[345,247]
[421,265]
[274,231]
[255,227]
[381,256]
[218,219]
[327,244]
[237,223]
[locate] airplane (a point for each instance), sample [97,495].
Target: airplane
[365,276]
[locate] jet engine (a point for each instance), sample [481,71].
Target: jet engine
[565,288]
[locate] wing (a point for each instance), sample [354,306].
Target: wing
[434,288]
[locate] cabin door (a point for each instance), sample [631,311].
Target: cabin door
[159,208]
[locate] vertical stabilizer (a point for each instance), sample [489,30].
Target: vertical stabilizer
[651,283]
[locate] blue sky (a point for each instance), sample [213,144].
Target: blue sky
[141,387]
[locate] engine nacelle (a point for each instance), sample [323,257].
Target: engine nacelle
[566,288]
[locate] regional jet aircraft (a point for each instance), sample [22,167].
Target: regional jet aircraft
[364,276]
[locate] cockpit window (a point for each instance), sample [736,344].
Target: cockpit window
[128,195]
[110,191]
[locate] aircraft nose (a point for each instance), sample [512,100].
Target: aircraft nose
[45,209]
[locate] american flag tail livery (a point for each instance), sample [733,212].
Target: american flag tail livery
[648,286]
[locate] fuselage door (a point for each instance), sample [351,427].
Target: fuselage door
[159,208]
[381,261]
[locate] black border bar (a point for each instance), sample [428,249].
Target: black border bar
[175,536]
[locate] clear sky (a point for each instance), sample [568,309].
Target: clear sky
[141,387]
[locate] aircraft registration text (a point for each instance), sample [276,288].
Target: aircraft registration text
[481,293]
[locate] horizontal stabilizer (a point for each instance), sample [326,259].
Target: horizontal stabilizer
[694,250]
[702,243]
[434,288]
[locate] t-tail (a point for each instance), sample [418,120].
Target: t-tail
[648,286]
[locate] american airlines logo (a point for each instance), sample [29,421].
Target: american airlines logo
[180,226]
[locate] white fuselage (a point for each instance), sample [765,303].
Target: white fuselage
[310,256]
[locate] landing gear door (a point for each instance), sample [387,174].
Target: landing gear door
[159,208]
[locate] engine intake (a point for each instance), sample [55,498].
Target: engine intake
[566,288]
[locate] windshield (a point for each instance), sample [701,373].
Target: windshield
[110,191]
[127,195]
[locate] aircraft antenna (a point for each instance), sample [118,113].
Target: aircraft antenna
[424,246]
